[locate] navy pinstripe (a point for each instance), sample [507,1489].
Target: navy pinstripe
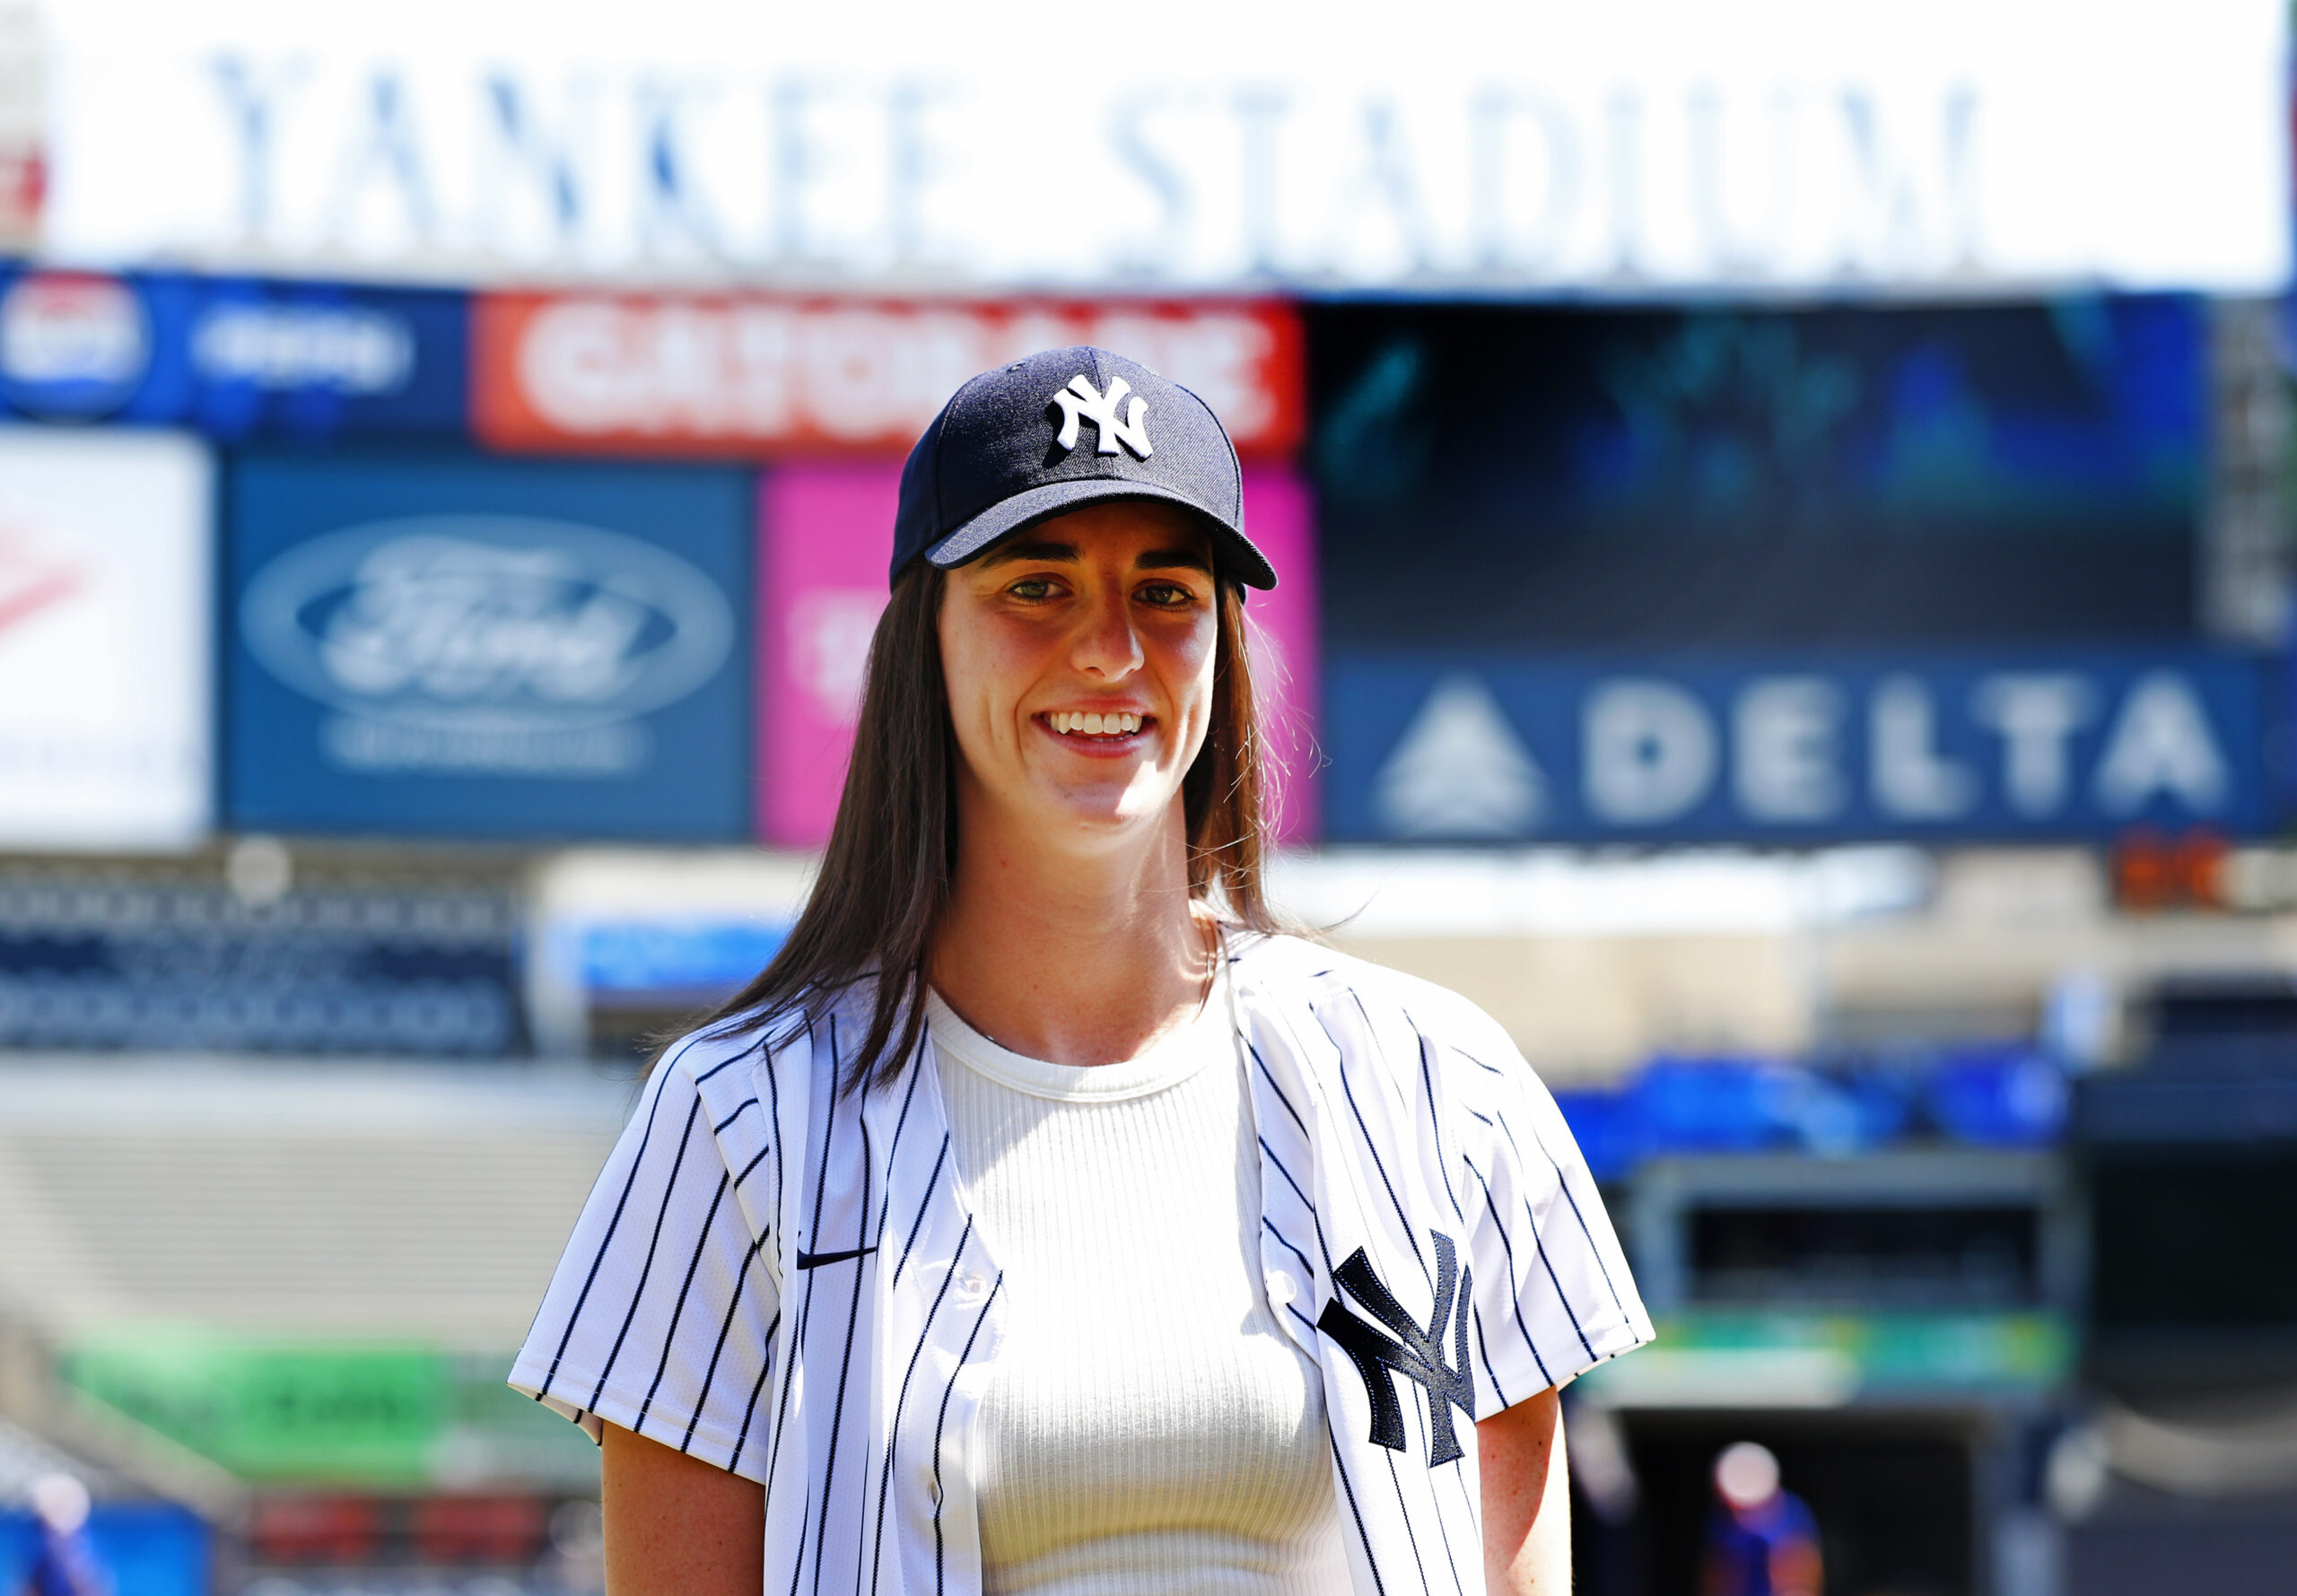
[1364,1144]
[599,1258]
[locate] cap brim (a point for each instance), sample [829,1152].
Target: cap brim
[1234,552]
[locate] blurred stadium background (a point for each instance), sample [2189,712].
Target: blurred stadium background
[1786,514]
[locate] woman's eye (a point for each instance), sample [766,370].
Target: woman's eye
[1168,594]
[1035,586]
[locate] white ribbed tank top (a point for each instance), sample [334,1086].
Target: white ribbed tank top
[1147,1429]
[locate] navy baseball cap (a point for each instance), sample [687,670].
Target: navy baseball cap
[1055,432]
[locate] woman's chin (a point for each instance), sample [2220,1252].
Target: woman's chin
[1107,811]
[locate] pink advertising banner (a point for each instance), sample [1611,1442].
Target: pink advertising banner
[825,533]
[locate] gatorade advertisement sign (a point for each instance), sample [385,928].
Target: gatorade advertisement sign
[753,375]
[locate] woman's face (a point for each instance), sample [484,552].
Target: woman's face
[1079,656]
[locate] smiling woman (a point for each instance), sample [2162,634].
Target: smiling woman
[1014,1231]
[1098,633]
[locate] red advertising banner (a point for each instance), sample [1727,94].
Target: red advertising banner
[761,375]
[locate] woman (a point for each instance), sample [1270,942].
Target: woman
[1041,1220]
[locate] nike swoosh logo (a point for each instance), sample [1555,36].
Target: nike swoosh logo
[814,1260]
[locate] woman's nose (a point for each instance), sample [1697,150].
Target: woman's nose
[1106,644]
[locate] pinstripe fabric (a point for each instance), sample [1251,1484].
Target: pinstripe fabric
[785,1281]
[1391,1109]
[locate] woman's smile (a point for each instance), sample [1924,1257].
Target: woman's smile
[1100,734]
[1093,722]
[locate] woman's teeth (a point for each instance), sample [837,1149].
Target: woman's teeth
[1119,724]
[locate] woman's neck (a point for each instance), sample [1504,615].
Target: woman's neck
[1072,957]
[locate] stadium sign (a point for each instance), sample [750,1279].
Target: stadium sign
[396,1415]
[488,648]
[1793,750]
[1649,147]
[162,966]
[105,714]
[350,349]
[231,357]
[754,374]
[486,643]
[72,346]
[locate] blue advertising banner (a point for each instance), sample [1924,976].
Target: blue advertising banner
[143,1549]
[468,647]
[431,970]
[1791,750]
[234,357]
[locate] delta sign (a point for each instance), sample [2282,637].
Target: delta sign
[2026,747]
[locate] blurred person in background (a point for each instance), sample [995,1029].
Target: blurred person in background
[66,1564]
[1762,1540]
[1045,1218]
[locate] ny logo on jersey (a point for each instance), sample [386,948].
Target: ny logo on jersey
[1417,1354]
[1079,402]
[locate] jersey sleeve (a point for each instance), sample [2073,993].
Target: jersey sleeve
[1552,1295]
[661,1317]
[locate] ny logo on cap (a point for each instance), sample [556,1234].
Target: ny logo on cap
[1079,402]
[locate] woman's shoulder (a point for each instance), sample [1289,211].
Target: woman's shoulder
[1277,968]
[781,1051]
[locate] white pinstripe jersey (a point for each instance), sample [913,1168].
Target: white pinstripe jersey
[782,1279]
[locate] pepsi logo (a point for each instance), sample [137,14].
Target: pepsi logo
[72,346]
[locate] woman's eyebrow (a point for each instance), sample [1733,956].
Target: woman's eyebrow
[1031,551]
[1173,560]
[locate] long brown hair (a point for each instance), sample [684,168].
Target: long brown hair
[885,876]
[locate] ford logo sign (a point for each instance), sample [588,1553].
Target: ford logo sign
[486,623]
